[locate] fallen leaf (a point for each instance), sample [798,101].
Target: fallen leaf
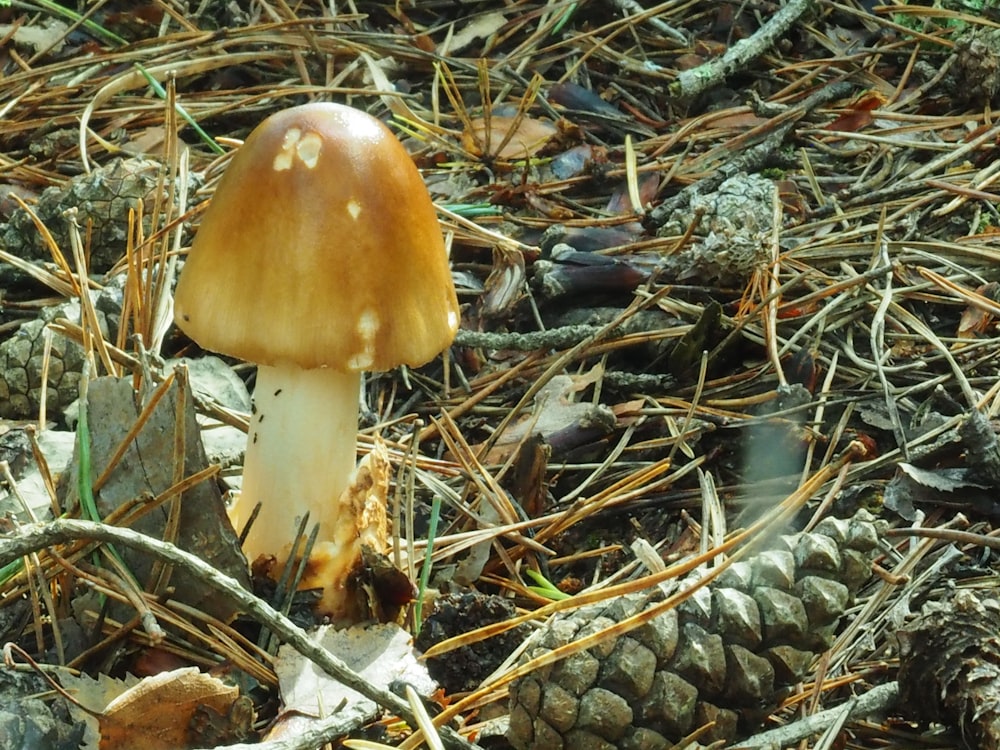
[479,27]
[859,114]
[555,414]
[740,119]
[154,713]
[976,320]
[50,36]
[943,480]
[522,137]
[157,712]
[381,654]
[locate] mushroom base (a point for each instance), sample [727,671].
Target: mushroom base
[301,452]
[338,565]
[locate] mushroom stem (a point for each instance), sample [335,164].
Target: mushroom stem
[300,455]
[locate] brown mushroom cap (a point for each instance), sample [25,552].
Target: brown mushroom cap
[321,248]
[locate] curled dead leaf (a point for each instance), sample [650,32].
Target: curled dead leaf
[507,137]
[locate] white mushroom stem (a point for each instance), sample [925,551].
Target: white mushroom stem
[301,452]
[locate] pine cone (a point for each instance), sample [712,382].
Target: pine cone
[21,362]
[102,199]
[22,356]
[723,656]
[949,668]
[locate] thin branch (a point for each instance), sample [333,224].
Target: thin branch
[692,82]
[36,537]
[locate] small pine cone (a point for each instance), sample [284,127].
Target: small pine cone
[102,200]
[22,356]
[949,669]
[976,73]
[22,365]
[723,656]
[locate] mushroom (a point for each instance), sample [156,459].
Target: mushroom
[319,257]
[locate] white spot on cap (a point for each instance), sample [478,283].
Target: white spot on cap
[354,208]
[308,148]
[453,320]
[367,329]
[283,159]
